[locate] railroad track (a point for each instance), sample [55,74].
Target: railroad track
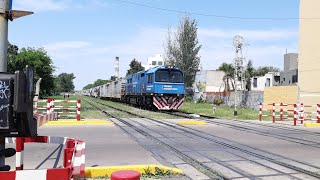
[233,148]
[247,126]
[195,163]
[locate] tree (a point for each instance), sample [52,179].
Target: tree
[135,66]
[249,74]
[229,74]
[64,82]
[36,58]
[262,70]
[13,51]
[182,51]
[100,82]
[89,86]
[96,83]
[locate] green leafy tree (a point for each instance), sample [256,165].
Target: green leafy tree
[36,58]
[135,66]
[182,50]
[263,70]
[249,74]
[13,51]
[64,82]
[100,82]
[229,75]
[89,86]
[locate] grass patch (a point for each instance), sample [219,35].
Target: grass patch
[90,112]
[221,111]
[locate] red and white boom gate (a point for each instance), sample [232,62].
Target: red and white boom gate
[297,113]
[67,111]
[73,160]
[38,109]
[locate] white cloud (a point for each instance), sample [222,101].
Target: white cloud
[90,61]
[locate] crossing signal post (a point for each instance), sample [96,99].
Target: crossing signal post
[14,105]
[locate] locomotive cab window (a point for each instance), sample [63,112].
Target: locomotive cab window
[169,75]
[150,78]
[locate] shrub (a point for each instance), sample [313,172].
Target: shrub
[188,98]
[200,100]
[218,101]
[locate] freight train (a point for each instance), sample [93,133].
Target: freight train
[160,87]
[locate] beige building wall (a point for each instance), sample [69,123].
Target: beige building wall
[309,52]
[280,94]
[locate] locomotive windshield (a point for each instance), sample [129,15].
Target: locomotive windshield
[166,75]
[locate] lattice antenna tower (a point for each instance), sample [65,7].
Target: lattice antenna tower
[239,65]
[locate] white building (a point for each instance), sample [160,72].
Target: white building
[268,80]
[157,60]
[209,81]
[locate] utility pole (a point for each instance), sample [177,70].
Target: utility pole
[116,69]
[6,13]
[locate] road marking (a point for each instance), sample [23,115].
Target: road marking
[94,172]
[192,123]
[54,123]
[312,124]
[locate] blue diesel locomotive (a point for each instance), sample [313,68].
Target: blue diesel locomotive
[161,87]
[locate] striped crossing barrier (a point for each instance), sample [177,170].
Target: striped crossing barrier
[44,118]
[65,111]
[43,108]
[297,113]
[73,161]
[45,174]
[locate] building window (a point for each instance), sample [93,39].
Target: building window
[154,63]
[268,82]
[277,78]
[255,82]
[294,79]
[160,63]
[284,79]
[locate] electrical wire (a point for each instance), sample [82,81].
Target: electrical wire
[215,15]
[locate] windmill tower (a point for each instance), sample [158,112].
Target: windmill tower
[239,74]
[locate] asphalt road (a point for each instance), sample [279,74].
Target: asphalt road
[106,145]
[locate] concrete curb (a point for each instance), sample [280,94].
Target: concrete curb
[192,122]
[57,123]
[312,124]
[95,172]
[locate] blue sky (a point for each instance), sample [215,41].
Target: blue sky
[84,36]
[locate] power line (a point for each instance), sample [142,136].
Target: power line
[214,15]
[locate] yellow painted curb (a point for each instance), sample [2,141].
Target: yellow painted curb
[192,123]
[55,123]
[312,124]
[95,172]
